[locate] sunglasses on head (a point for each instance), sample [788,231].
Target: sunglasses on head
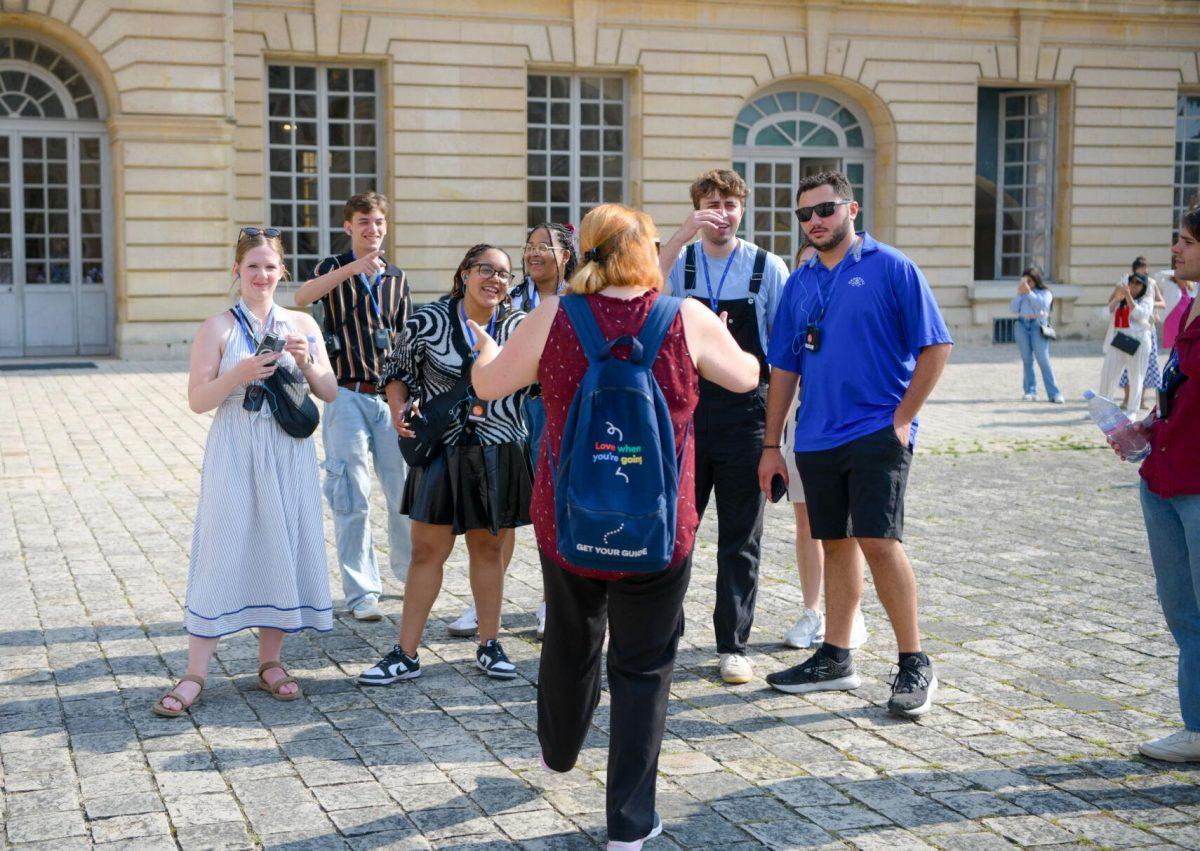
[269,233]
[825,209]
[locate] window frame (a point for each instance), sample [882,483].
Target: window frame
[1050,164]
[575,203]
[1181,161]
[325,226]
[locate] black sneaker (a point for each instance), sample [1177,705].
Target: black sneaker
[491,660]
[819,673]
[393,667]
[913,688]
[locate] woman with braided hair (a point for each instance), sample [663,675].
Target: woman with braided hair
[549,260]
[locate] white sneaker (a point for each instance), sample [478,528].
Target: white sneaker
[736,668]
[1181,746]
[808,631]
[636,844]
[466,625]
[1058,400]
[541,628]
[1029,397]
[858,631]
[367,610]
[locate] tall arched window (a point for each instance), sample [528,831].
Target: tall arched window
[55,276]
[789,133]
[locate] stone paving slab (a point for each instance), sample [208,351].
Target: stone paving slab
[1037,605]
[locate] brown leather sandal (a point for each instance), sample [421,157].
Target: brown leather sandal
[167,712]
[273,689]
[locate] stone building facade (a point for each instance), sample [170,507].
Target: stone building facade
[136,136]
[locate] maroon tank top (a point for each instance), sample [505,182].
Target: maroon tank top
[560,372]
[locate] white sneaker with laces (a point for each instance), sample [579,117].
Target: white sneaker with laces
[466,625]
[541,627]
[367,610]
[808,631]
[736,668]
[858,631]
[1180,746]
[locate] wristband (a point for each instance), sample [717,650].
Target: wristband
[772,446]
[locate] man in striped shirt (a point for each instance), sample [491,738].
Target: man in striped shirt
[365,302]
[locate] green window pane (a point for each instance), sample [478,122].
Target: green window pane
[824,138]
[771,136]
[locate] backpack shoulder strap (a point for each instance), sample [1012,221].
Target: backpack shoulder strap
[658,321]
[586,329]
[760,265]
[689,268]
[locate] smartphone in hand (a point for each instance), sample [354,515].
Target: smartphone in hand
[779,488]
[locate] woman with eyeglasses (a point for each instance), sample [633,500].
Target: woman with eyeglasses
[258,552]
[549,260]
[479,483]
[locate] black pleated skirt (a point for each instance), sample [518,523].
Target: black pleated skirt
[472,487]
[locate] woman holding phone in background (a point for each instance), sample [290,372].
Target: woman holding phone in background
[258,549]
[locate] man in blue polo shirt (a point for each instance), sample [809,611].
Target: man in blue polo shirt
[861,333]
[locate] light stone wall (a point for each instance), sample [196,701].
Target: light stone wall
[186,89]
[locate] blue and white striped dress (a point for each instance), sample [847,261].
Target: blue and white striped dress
[258,548]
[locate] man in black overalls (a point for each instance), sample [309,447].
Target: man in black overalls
[742,283]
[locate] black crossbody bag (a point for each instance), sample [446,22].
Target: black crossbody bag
[1172,380]
[430,421]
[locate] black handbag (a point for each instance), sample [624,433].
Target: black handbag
[430,421]
[294,409]
[1125,342]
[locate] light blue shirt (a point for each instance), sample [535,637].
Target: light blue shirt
[1032,303]
[737,282]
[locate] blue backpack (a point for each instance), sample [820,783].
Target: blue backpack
[616,486]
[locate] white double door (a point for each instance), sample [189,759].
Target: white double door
[56,292]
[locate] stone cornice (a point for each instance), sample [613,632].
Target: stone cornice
[170,128]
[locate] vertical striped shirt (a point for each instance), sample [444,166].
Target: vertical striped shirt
[350,315]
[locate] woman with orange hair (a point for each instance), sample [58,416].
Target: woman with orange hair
[621,281]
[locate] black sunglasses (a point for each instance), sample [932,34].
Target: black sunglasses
[269,233]
[825,209]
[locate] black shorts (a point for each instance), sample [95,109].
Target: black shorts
[856,490]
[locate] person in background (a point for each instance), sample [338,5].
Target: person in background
[1032,306]
[478,485]
[1131,309]
[1170,497]
[644,612]
[258,551]
[1153,376]
[1177,295]
[365,302]
[549,259]
[809,629]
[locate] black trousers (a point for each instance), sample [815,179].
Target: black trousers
[729,438]
[645,619]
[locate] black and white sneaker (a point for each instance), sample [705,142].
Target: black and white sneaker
[913,688]
[491,660]
[392,668]
[819,673]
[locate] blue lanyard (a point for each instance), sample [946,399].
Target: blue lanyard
[370,293]
[715,300]
[469,334]
[244,324]
[535,298]
[832,285]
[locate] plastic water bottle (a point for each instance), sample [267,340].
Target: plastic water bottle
[1108,415]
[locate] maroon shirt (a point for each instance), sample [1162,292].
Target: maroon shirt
[1173,466]
[560,372]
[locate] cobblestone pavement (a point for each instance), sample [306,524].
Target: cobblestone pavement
[1037,607]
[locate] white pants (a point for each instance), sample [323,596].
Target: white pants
[1115,362]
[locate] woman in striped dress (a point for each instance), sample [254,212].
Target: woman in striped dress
[258,548]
